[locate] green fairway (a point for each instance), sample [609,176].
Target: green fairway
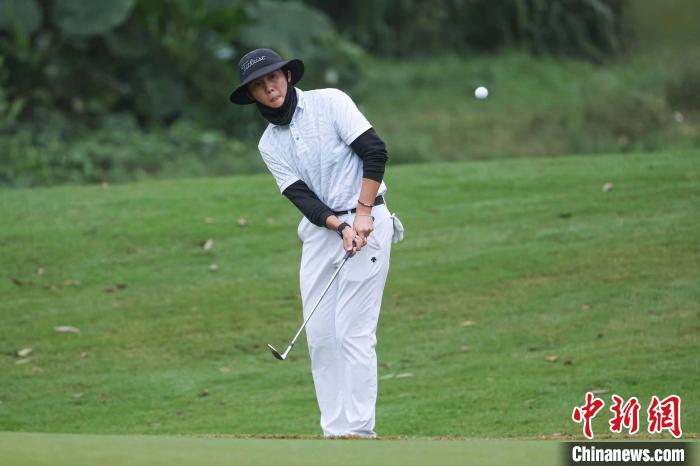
[111,450]
[520,286]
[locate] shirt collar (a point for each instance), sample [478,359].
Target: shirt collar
[298,111]
[300,98]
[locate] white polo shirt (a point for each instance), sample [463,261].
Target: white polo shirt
[315,147]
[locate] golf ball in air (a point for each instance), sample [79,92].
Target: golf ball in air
[481,92]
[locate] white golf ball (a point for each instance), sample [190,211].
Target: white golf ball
[481,92]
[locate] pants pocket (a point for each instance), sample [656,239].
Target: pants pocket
[374,256]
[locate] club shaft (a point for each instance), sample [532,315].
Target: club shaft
[294,340]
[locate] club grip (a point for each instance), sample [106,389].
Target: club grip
[349,253]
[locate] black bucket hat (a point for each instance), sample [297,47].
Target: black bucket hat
[258,63]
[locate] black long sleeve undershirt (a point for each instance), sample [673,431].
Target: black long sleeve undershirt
[370,148]
[308,203]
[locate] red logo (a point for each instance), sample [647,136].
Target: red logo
[665,415]
[626,416]
[587,412]
[661,415]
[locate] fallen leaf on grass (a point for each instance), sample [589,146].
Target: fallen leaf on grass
[213,267]
[24,352]
[77,396]
[40,271]
[242,222]
[117,287]
[607,187]
[468,323]
[225,370]
[208,244]
[465,348]
[66,329]
[21,362]
[84,354]
[600,391]
[552,358]
[405,375]
[37,370]
[585,307]
[387,376]
[209,220]
[71,283]
[204,393]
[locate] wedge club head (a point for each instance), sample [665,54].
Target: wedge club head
[276,353]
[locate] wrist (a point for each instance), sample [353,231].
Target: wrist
[363,208]
[333,222]
[342,228]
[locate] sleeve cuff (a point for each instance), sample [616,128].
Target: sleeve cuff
[372,175]
[288,183]
[357,133]
[324,216]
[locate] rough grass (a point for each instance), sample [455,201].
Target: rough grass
[427,112]
[530,250]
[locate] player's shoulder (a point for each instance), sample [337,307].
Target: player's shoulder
[327,96]
[266,141]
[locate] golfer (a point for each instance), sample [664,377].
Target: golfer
[329,162]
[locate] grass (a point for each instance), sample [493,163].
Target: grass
[530,250]
[88,450]
[426,110]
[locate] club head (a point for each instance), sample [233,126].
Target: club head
[275,353]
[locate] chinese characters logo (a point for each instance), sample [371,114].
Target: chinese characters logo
[661,415]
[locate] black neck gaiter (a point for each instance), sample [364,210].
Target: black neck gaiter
[281,116]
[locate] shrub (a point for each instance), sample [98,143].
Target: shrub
[56,153]
[623,120]
[683,91]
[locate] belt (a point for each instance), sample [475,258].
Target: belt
[378,201]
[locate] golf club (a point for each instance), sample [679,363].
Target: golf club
[283,356]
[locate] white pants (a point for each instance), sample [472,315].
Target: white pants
[341,335]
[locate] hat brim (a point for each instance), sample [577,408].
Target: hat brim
[240,94]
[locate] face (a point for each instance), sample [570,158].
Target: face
[271,89]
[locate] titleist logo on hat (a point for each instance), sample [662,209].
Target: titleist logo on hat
[251,62]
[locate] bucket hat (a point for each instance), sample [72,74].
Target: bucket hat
[260,62]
